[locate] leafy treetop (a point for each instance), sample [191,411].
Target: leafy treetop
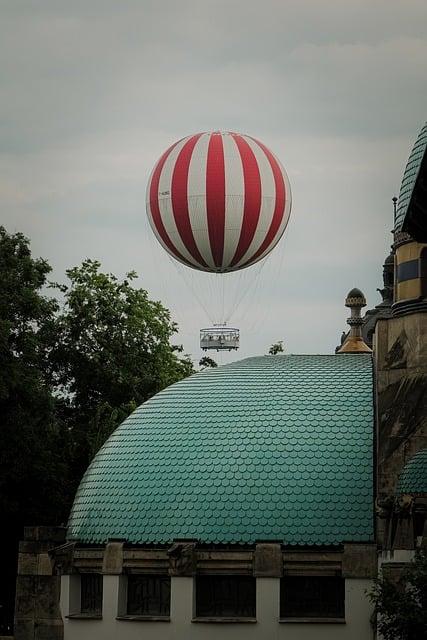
[207,362]
[276,348]
[70,373]
[112,351]
[33,449]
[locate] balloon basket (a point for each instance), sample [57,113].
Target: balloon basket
[219,339]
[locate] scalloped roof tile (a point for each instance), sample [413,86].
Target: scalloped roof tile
[413,478]
[271,447]
[410,177]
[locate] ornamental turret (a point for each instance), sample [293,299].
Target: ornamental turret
[354,343]
[410,294]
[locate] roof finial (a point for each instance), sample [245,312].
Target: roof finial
[355,343]
[394,198]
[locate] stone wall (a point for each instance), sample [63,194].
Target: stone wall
[400,348]
[37,612]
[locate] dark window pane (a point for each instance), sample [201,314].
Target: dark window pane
[419,520]
[407,270]
[148,595]
[312,597]
[91,593]
[225,596]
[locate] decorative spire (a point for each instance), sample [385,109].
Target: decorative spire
[388,280]
[411,213]
[354,343]
[394,198]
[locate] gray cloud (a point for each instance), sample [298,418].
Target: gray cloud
[93,92]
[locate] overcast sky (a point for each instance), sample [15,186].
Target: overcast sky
[93,91]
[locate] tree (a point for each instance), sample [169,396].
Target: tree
[276,348]
[112,353]
[207,362]
[32,443]
[401,605]
[69,374]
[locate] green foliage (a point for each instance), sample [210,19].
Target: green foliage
[401,605]
[30,437]
[33,467]
[276,348]
[206,362]
[112,353]
[69,375]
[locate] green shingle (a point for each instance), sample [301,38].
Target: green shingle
[272,447]
[410,177]
[413,478]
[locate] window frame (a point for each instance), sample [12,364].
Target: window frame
[337,616]
[123,609]
[215,616]
[76,609]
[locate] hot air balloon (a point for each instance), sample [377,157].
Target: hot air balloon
[218,202]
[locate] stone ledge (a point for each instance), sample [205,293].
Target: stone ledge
[312,621]
[268,561]
[216,620]
[84,616]
[135,618]
[359,560]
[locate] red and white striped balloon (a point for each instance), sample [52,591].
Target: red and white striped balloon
[218,201]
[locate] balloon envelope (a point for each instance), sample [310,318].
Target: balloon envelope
[218,201]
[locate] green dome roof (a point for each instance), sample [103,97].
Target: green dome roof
[413,478]
[410,176]
[272,447]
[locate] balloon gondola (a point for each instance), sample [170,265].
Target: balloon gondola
[218,203]
[219,338]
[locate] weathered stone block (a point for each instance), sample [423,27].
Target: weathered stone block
[44,565]
[27,564]
[23,629]
[113,558]
[25,596]
[359,561]
[34,546]
[37,612]
[47,597]
[182,559]
[54,535]
[268,561]
[49,630]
